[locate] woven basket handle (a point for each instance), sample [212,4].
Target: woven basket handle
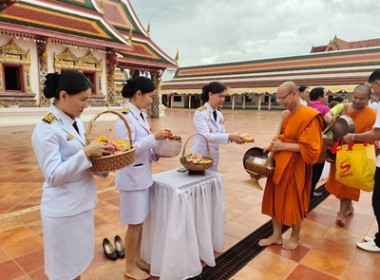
[184,146]
[92,121]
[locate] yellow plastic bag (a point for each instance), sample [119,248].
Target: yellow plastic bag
[356,165]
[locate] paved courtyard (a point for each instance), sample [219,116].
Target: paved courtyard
[326,251]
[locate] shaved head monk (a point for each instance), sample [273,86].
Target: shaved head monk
[287,193]
[364,118]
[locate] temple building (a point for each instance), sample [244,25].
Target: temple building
[338,67]
[104,39]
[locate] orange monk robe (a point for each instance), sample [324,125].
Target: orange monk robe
[364,120]
[287,193]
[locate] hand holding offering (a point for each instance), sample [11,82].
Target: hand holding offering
[247,137]
[115,146]
[174,137]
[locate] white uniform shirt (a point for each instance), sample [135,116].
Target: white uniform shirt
[69,186]
[213,130]
[303,102]
[139,175]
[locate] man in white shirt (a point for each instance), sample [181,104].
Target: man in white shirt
[303,93]
[371,244]
[373,102]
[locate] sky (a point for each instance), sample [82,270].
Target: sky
[220,31]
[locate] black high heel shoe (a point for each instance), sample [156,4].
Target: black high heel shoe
[119,247]
[108,249]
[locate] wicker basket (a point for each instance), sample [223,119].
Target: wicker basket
[168,148]
[111,162]
[196,166]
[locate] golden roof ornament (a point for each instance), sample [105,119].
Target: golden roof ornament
[148,29]
[176,57]
[130,36]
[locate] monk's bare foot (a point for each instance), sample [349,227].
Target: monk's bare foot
[290,244]
[340,219]
[143,265]
[135,272]
[270,240]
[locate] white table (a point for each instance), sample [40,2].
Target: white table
[185,224]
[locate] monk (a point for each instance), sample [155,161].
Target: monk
[287,193]
[364,118]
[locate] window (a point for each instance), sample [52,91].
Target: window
[13,78]
[92,77]
[177,98]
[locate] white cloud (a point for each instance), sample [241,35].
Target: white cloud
[218,31]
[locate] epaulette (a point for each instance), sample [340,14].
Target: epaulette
[201,108]
[125,111]
[49,118]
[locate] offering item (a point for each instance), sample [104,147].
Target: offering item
[196,162]
[118,145]
[123,155]
[247,137]
[170,147]
[197,158]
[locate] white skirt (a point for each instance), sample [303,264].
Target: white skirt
[69,244]
[134,206]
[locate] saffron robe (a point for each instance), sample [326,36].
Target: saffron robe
[287,193]
[364,121]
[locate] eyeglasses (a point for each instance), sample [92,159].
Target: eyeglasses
[283,97]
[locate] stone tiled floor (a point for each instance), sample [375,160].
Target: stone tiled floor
[326,251]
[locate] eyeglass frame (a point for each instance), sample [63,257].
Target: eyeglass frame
[279,99]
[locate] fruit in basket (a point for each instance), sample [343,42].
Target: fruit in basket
[118,145]
[197,158]
[174,137]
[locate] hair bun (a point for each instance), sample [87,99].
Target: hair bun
[127,90]
[50,84]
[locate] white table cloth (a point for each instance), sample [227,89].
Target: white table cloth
[185,224]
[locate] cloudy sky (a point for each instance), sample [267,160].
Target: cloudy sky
[218,31]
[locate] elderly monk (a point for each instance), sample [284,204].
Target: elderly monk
[364,118]
[287,193]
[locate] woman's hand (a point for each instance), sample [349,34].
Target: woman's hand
[238,139]
[162,133]
[95,149]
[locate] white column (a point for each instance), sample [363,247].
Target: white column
[189,100]
[233,102]
[171,101]
[244,101]
[259,103]
[269,102]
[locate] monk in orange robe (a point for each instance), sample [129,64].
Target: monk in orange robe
[287,193]
[364,118]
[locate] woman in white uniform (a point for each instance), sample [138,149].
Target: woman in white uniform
[69,190]
[209,122]
[134,181]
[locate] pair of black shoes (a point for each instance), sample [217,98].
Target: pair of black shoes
[111,252]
